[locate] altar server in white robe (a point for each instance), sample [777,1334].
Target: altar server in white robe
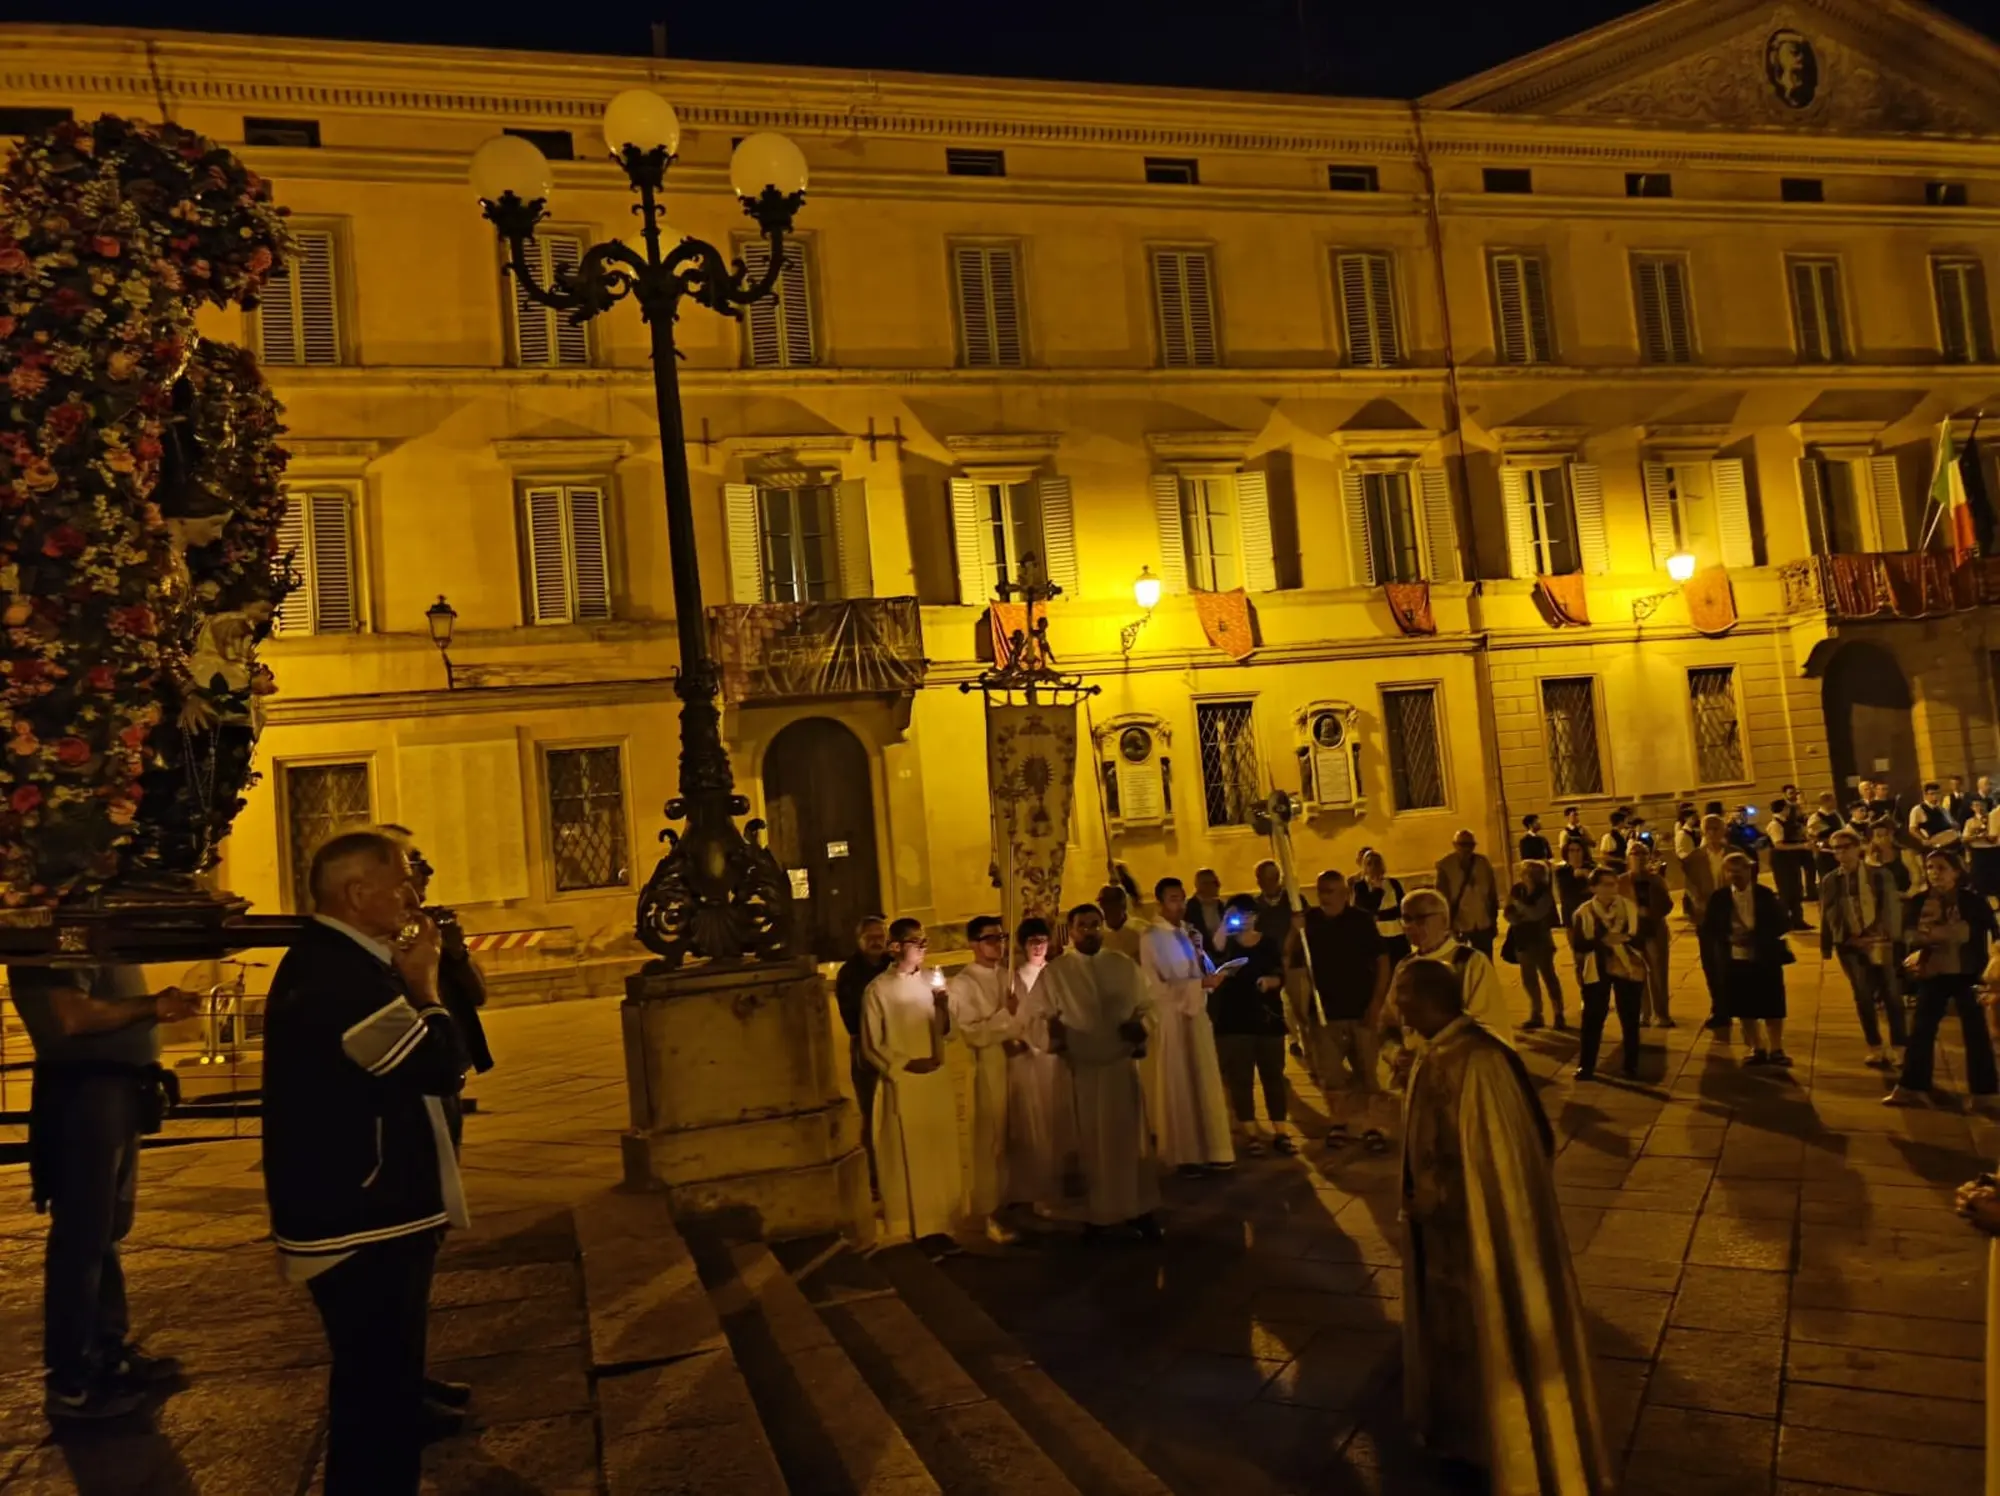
[985,1013]
[1041,1097]
[1102,1019]
[1188,1106]
[906,1019]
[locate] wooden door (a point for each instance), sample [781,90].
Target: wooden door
[1869,731]
[820,800]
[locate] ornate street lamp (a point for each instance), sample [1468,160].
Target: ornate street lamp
[1680,567]
[443,618]
[718,893]
[1146,593]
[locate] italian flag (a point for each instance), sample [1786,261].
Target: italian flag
[1948,493]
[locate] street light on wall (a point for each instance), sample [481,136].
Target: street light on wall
[1680,566]
[1146,593]
[443,618]
[718,893]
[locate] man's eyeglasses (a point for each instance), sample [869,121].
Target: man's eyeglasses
[991,940]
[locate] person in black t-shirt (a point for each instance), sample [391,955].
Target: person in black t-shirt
[869,961]
[1534,846]
[1248,1010]
[1350,973]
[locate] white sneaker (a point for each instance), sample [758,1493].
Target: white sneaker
[1903,1096]
[999,1235]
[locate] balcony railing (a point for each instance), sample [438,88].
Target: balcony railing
[1889,584]
[785,651]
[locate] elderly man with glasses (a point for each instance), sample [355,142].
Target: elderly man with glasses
[1470,892]
[1427,922]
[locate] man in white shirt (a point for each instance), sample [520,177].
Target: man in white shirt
[1190,1109]
[1427,926]
[1121,932]
[905,1020]
[985,1014]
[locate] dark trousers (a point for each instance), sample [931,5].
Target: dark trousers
[1481,941]
[1934,996]
[1538,970]
[1598,998]
[376,1309]
[1872,985]
[1788,875]
[1245,1059]
[90,1211]
[866,1079]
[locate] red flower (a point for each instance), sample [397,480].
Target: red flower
[147,448]
[65,421]
[72,751]
[101,677]
[67,301]
[25,670]
[134,737]
[25,799]
[105,245]
[136,619]
[13,259]
[6,327]
[64,540]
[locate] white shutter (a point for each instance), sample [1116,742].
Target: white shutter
[1586,497]
[1003,284]
[571,339]
[590,562]
[1382,306]
[1954,334]
[1521,558]
[850,525]
[794,306]
[763,324]
[1678,316]
[1170,294]
[1812,496]
[548,561]
[975,305]
[1659,513]
[278,319]
[295,612]
[745,542]
[533,346]
[1510,312]
[1732,512]
[1253,526]
[1891,532]
[1440,530]
[1173,538]
[1360,554]
[1058,534]
[966,524]
[1541,327]
[318,315]
[1351,280]
[335,607]
[1201,308]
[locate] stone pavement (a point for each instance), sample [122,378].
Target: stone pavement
[1781,1298]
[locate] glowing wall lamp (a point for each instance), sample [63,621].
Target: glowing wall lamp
[1680,566]
[1146,593]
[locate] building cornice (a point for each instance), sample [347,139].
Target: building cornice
[530,456]
[399,706]
[329,456]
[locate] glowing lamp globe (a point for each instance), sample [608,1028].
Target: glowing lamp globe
[1680,566]
[767,160]
[642,119]
[507,163]
[1146,589]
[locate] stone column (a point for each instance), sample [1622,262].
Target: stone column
[736,1104]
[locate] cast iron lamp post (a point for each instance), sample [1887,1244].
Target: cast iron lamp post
[718,893]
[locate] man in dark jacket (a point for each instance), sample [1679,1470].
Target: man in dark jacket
[358,1163]
[1745,924]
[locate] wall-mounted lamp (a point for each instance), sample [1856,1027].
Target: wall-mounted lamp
[1146,593]
[1680,566]
[443,618]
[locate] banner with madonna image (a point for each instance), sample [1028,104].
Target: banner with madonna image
[1031,769]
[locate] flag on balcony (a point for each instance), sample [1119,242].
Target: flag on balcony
[1564,599]
[1410,606]
[1226,619]
[1711,602]
[1953,512]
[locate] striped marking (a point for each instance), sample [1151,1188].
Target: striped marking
[508,940]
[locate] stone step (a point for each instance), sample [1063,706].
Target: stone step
[968,1440]
[1094,1459]
[828,1429]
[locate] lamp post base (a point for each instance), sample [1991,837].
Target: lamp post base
[736,1109]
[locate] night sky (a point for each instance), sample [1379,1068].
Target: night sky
[1375,48]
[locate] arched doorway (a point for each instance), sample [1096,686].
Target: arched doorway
[820,800]
[1869,730]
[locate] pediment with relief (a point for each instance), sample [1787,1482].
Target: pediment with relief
[1843,66]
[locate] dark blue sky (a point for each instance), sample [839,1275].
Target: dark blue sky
[1378,48]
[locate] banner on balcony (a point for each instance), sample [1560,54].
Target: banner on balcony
[1410,606]
[1226,619]
[770,651]
[1711,602]
[1031,772]
[1564,600]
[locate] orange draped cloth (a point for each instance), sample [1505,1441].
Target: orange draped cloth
[1228,622]
[1711,603]
[1565,599]
[1410,605]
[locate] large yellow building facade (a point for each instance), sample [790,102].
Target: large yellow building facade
[1703,282]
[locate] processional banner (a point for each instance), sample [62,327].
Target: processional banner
[1031,769]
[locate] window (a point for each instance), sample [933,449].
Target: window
[778,330]
[1365,283]
[971,163]
[1801,190]
[1182,171]
[569,571]
[996,523]
[1718,736]
[1416,767]
[801,547]
[989,305]
[1550,522]
[1352,179]
[1945,194]
[316,541]
[1522,331]
[1666,320]
[1649,184]
[296,133]
[1509,179]
[1832,490]
[298,320]
[1702,508]
[557,145]
[1395,536]
[321,801]
[1208,534]
[1215,532]
[1569,708]
[587,818]
[1965,330]
[1229,763]
[1183,289]
[1816,311]
[1394,553]
[543,337]
[17,119]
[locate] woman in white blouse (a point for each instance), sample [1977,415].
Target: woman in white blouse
[1605,935]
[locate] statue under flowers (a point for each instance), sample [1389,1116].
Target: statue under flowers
[139,507]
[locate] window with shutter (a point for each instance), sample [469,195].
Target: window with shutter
[545,338]
[1057,523]
[316,539]
[1173,540]
[745,543]
[778,329]
[1965,326]
[800,547]
[1666,321]
[1547,539]
[1365,282]
[1395,552]
[850,525]
[1586,494]
[1831,489]
[1891,529]
[1523,333]
[989,305]
[1524,554]
[1730,494]
[1253,528]
[568,554]
[1208,530]
[1360,536]
[298,318]
[1816,311]
[995,525]
[1440,528]
[1184,294]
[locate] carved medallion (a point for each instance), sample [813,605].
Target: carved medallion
[1792,67]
